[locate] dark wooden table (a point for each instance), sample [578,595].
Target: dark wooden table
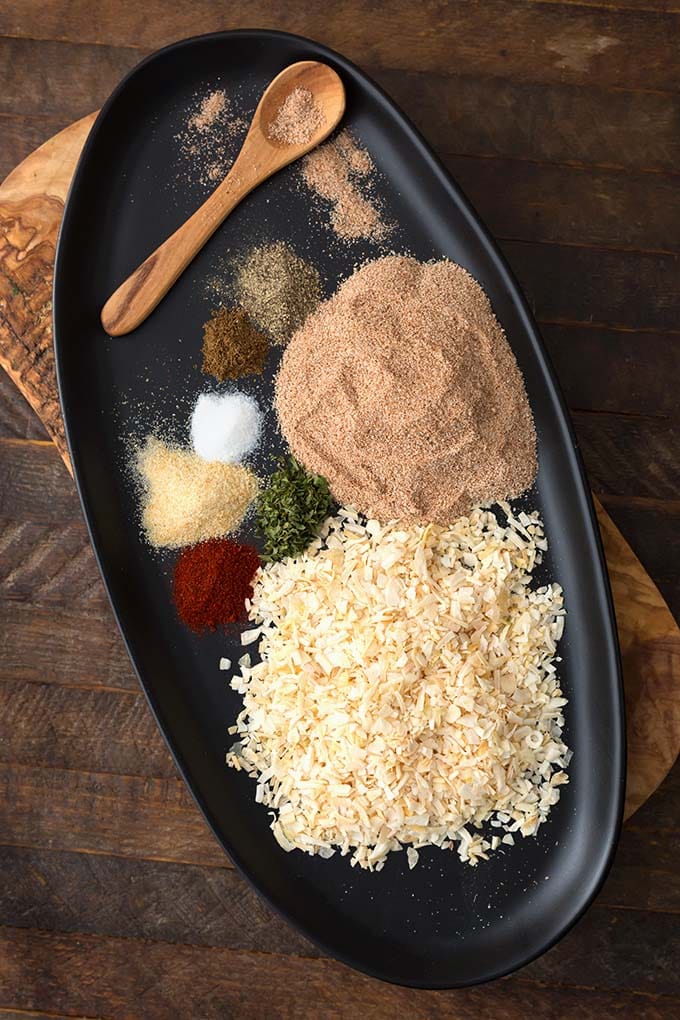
[562,122]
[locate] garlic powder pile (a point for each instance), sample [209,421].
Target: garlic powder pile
[407,691]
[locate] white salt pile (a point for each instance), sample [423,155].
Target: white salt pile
[225,426]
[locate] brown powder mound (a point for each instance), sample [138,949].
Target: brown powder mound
[232,347]
[403,392]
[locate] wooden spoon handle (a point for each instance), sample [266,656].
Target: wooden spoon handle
[137,296]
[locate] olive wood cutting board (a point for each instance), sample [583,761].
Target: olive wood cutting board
[31,204]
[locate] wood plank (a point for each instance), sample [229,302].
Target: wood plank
[57,80]
[68,589]
[18,420]
[52,563]
[596,207]
[653,531]
[73,728]
[516,199]
[625,456]
[49,644]
[645,873]
[67,725]
[619,371]
[129,816]
[56,83]
[82,974]
[470,114]
[25,1014]
[46,641]
[35,486]
[42,638]
[661,813]
[541,264]
[630,456]
[603,951]
[156,819]
[112,896]
[664,6]
[21,135]
[164,901]
[111,731]
[590,285]
[41,524]
[47,557]
[532,42]
[632,464]
[599,369]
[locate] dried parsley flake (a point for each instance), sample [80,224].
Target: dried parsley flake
[290,509]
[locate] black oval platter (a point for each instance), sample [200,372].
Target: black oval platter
[444,924]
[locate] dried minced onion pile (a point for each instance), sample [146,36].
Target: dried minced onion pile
[407,691]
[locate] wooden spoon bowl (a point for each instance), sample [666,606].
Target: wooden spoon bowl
[261,156]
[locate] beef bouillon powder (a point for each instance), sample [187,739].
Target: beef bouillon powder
[403,392]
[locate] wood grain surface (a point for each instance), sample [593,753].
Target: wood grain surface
[560,119]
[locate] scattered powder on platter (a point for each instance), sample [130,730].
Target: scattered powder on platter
[232,347]
[403,392]
[297,119]
[340,172]
[407,692]
[212,106]
[208,140]
[278,289]
[357,159]
[225,427]
[186,499]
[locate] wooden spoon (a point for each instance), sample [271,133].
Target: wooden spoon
[259,158]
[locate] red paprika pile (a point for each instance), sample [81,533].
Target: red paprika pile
[212,581]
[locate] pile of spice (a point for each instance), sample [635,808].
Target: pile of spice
[342,173]
[297,119]
[290,509]
[407,692]
[232,346]
[212,581]
[403,392]
[186,499]
[278,289]
[225,427]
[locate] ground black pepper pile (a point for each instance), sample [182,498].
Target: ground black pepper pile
[278,289]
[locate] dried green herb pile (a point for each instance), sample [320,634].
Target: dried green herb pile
[290,509]
[232,346]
